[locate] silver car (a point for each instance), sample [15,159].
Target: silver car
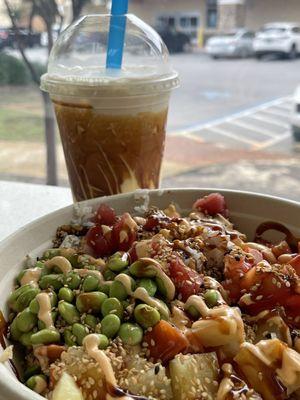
[238,43]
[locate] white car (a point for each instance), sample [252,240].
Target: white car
[295,119]
[282,38]
[238,43]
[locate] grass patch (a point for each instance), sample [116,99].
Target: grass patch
[20,125]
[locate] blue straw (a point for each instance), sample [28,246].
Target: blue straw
[116,36]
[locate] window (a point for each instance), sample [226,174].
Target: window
[189,22]
[194,21]
[165,22]
[248,35]
[184,22]
[211,13]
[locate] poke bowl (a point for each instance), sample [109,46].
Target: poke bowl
[155,294]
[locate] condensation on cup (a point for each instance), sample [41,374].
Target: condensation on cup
[112,122]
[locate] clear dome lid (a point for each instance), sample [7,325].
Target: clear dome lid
[78,60]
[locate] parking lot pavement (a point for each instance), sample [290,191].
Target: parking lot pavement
[274,177]
[264,127]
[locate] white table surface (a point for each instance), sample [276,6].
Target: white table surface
[21,203]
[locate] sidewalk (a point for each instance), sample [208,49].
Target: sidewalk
[189,162]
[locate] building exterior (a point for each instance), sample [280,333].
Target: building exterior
[193,17]
[210,16]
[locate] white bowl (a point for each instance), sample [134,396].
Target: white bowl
[247,211]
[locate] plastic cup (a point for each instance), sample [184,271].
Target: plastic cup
[112,122]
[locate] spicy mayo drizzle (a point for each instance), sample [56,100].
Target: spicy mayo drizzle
[91,343]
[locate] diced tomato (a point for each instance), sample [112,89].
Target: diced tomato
[105,215]
[186,280]
[195,345]
[212,204]
[165,341]
[151,223]
[101,242]
[295,263]
[292,308]
[235,269]
[257,256]
[158,219]
[124,232]
[132,253]
[268,291]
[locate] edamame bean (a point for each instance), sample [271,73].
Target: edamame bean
[53,298]
[80,332]
[73,258]
[31,370]
[104,288]
[149,285]
[72,280]
[161,287]
[50,253]
[103,341]
[45,336]
[68,312]
[37,383]
[112,306]
[20,276]
[41,324]
[131,334]
[25,298]
[69,338]
[54,281]
[140,270]
[66,294]
[39,264]
[90,320]
[110,325]
[194,313]
[125,304]
[90,302]
[146,316]
[14,331]
[109,275]
[211,297]
[118,290]
[25,339]
[26,320]
[89,262]
[90,283]
[34,305]
[118,261]
[15,295]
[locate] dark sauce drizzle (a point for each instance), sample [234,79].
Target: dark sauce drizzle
[118,392]
[291,240]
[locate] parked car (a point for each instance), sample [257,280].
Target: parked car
[295,118]
[238,43]
[9,38]
[176,41]
[278,38]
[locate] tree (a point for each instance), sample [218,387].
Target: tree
[50,13]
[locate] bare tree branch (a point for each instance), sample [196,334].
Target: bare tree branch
[30,67]
[77,6]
